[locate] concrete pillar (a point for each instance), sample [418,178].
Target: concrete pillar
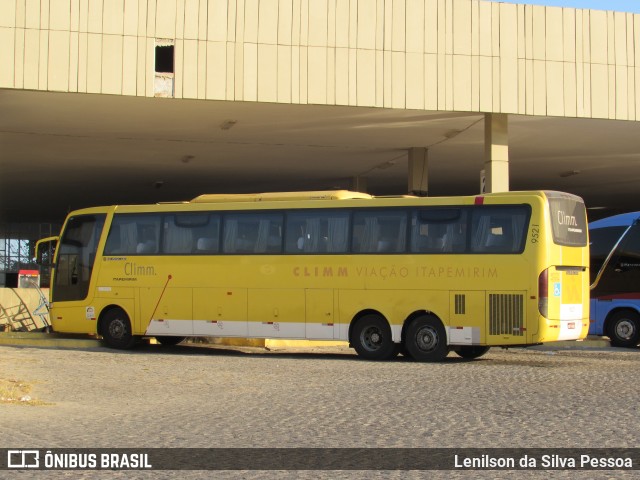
[496,152]
[418,172]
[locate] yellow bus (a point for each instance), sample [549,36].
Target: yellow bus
[421,276]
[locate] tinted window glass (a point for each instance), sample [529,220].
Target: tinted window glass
[629,248]
[76,255]
[499,229]
[325,231]
[379,231]
[252,233]
[439,230]
[601,242]
[134,234]
[622,274]
[568,219]
[187,233]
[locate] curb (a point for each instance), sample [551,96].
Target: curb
[41,339]
[591,342]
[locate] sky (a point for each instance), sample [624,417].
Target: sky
[619,5]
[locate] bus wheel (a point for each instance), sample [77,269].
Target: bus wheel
[426,339]
[168,341]
[624,329]
[472,352]
[116,329]
[371,338]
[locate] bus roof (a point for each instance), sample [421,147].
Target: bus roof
[297,199]
[343,195]
[259,197]
[622,220]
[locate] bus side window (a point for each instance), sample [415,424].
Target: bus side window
[379,231]
[253,233]
[498,229]
[122,237]
[176,239]
[498,236]
[186,233]
[133,234]
[318,231]
[295,239]
[149,235]
[439,230]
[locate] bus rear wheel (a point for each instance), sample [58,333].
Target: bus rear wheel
[371,338]
[169,341]
[426,339]
[624,329]
[472,351]
[116,330]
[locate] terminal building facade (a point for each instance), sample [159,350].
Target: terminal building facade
[451,55]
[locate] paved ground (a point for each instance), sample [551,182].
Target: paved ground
[195,396]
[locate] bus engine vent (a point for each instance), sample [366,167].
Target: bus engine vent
[506,314]
[459,302]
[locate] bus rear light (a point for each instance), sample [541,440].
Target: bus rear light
[543,293]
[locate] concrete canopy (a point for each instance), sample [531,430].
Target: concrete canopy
[63,151]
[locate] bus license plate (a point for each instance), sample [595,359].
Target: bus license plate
[571,325]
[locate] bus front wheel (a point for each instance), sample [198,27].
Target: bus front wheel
[624,329]
[426,339]
[116,329]
[371,338]
[471,352]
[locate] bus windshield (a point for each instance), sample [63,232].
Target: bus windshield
[75,257]
[44,253]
